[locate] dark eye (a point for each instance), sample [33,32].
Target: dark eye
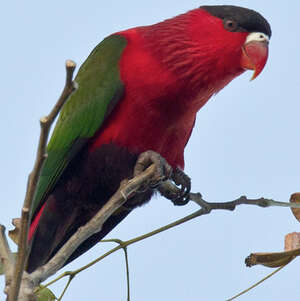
[230,25]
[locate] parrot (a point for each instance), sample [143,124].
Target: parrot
[136,101]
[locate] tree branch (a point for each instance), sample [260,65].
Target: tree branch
[169,190]
[45,124]
[126,190]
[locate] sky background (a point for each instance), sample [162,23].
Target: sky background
[245,142]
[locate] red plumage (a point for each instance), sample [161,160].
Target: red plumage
[170,70]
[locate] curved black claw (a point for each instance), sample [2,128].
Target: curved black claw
[163,169]
[180,178]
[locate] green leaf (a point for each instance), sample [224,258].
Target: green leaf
[44,294]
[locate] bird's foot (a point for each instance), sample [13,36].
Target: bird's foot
[163,171]
[183,180]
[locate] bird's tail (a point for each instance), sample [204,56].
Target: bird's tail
[50,230]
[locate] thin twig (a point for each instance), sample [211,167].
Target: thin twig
[124,247]
[256,284]
[71,277]
[170,191]
[63,275]
[128,243]
[127,273]
[45,124]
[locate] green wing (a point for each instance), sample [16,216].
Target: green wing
[99,89]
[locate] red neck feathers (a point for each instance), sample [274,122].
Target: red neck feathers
[169,71]
[197,48]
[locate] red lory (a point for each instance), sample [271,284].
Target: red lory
[138,95]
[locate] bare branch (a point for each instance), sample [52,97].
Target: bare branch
[45,124]
[126,190]
[170,191]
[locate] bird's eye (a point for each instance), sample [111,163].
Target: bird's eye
[230,25]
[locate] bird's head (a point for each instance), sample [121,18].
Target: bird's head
[237,36]
[209,46]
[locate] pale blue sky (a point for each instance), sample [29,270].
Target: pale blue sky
[246,142]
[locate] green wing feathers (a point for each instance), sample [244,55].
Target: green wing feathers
[99,88]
